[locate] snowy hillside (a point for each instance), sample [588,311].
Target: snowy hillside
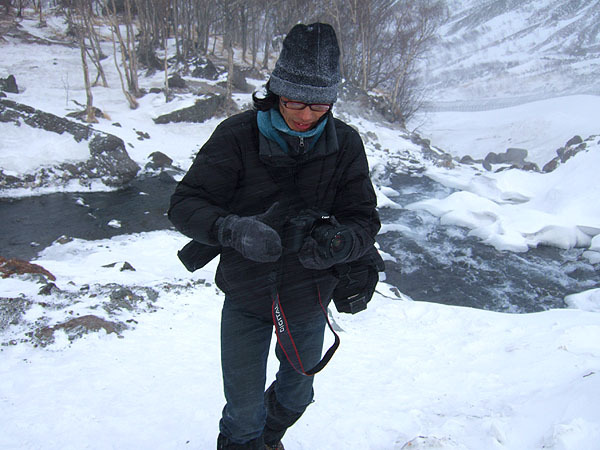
[531,49]
[121,349]
[408,375]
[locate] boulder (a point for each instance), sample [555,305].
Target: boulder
[551,165]
[202,110]
[9,84]
[14,266]
[493,158]
[515,156]
[575,140]
[159,161]
[205,69]
[77,327]
[531,167]
[108,163]
[467,159]
[238,81]
[177,82]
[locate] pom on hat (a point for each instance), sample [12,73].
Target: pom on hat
[308,68]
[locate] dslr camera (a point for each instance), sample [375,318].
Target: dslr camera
[335,241]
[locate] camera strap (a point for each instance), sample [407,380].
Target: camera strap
[287,344]
[285,180]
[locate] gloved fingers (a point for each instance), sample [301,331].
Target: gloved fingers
[310,255]
[260,243]
[274,216]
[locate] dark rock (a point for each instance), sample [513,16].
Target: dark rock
[127,267]
[467,159]
[567,154]
[575,140]
[108,162]
[49,289]
[202,110]
[238,81]
[9,84]
[142,135]
[82,114]
[492,158]
[532,167]
[177,82]
[206,69]
[14,266]
[515,156]
[159,160]
[77,327]
[155,90]
[551,165]
[123,266]
[15,112]
[123,298]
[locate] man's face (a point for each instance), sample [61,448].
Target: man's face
[299,119]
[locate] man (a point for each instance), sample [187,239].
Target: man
[284,191]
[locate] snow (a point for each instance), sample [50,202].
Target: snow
[408,375]
[540,127]
[461,378]
[515,209]
[43,149]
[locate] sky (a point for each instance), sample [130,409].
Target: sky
[408,375]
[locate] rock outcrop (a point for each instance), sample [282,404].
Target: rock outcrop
[108,162]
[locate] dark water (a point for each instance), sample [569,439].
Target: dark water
[28,225]
[443,264]
[434,262]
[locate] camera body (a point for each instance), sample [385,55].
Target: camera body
[335,240]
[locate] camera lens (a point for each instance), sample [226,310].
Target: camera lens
[337,242]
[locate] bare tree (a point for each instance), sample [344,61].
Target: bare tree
[381,44]
[74,14]
[127,57]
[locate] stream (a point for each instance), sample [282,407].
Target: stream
[433,262]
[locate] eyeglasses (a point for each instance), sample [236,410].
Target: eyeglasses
[298,106]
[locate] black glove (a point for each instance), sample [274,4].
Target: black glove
[251,236]
[312,255]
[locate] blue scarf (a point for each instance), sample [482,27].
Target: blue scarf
[271,124]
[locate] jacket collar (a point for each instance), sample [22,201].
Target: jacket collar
[271,153]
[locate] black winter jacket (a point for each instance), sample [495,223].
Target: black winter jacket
[234,173]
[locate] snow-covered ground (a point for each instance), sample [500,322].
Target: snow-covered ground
[441,377]
[408,375]
[515,209]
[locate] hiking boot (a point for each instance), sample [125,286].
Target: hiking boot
[278,446]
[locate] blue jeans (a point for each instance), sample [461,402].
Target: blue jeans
[250,413]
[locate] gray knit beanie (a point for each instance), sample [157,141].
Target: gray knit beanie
[308,68]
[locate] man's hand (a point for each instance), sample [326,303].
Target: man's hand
[250,236]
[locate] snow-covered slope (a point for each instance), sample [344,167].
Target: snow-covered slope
[408,375]
[524,48]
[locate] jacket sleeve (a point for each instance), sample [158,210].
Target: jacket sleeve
[205,192]
[355,204]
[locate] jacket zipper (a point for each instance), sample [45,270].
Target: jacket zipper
[301,142]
